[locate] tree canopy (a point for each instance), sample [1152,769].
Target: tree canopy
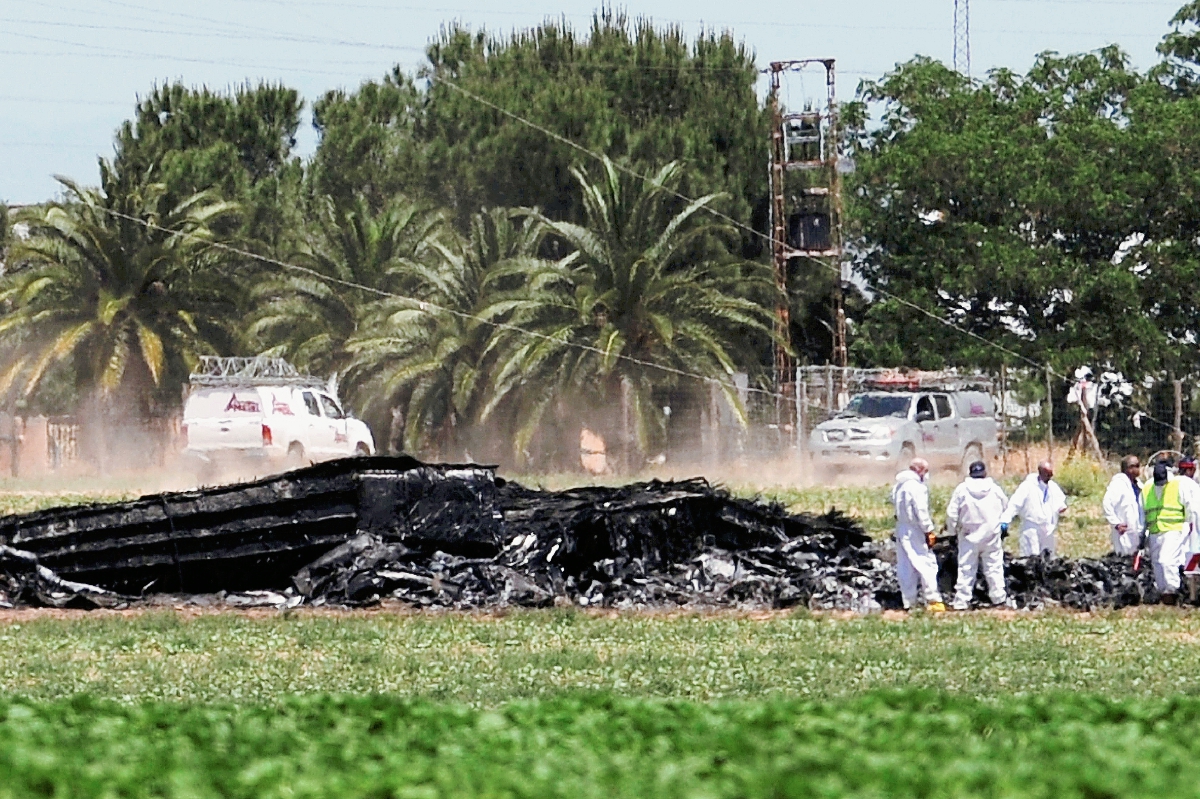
[129,304]
[524,227]
[1043,212]
[632,91]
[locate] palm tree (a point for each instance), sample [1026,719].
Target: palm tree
[650,293]
[119,284]
[308,317]
[425,357]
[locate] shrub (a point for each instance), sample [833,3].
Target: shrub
[883,744]
[1082,477]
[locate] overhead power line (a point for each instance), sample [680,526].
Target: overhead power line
[48,145]
[332,41]
[429,305]
[436,77]
[633,173]
[215,34]
[113,52]
[12,98]
[768,238]
[426,305]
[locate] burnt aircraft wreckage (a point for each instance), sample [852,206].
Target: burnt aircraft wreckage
[361,530]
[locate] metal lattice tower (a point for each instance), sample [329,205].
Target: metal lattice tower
[962,37]
[214,371]
[806,213]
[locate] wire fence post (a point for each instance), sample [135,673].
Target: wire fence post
[801,412]
[1003,419]
[1049,417]
[1177,431]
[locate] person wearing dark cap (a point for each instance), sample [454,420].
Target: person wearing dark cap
[974,514]
[1168,505]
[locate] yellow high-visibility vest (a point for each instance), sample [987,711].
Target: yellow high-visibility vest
[1163,514]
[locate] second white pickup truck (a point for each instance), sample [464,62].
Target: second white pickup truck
[950,429]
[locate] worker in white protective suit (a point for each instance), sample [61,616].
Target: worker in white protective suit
[1039,501]
[916,566]
[1191,546]
[1168,503]
[1122,506]
[974,514]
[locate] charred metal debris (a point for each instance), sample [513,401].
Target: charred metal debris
[362,530]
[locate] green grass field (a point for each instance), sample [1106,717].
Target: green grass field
[549,703]
[878,745]
[485,660]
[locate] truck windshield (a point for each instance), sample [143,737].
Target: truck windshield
[877,406]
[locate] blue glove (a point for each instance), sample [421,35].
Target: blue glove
[1003,530]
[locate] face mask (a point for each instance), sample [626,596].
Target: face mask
[1160,473]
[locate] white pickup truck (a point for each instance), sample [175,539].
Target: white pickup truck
[950,429]
[266,418]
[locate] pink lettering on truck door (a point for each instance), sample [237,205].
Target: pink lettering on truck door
[242,406]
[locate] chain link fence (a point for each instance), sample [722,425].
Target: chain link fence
[1039,415]
[39,445]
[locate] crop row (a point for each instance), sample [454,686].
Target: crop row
[916,744]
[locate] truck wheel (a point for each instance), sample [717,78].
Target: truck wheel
[907,453]
[295,455]
[972,453]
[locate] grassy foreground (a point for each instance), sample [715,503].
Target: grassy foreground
[912,744]
[485,661]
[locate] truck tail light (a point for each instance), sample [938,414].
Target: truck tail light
[266,436]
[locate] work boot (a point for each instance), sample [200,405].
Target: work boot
[1005,604]
[936,607]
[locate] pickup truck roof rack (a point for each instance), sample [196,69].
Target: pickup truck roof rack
[221,372]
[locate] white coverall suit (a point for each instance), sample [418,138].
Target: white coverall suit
[1167,548]
[916,566]
[1038,505]
[974,513]
[1121,506]
[1191,544]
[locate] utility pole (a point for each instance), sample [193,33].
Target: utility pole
[806,212]
[962,37]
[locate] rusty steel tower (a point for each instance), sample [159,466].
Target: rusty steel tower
[806,211]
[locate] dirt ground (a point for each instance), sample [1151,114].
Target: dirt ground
[187,611]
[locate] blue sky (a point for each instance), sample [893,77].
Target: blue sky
[70,69]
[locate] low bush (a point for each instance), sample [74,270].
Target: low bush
[894,744]
[1082,477]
